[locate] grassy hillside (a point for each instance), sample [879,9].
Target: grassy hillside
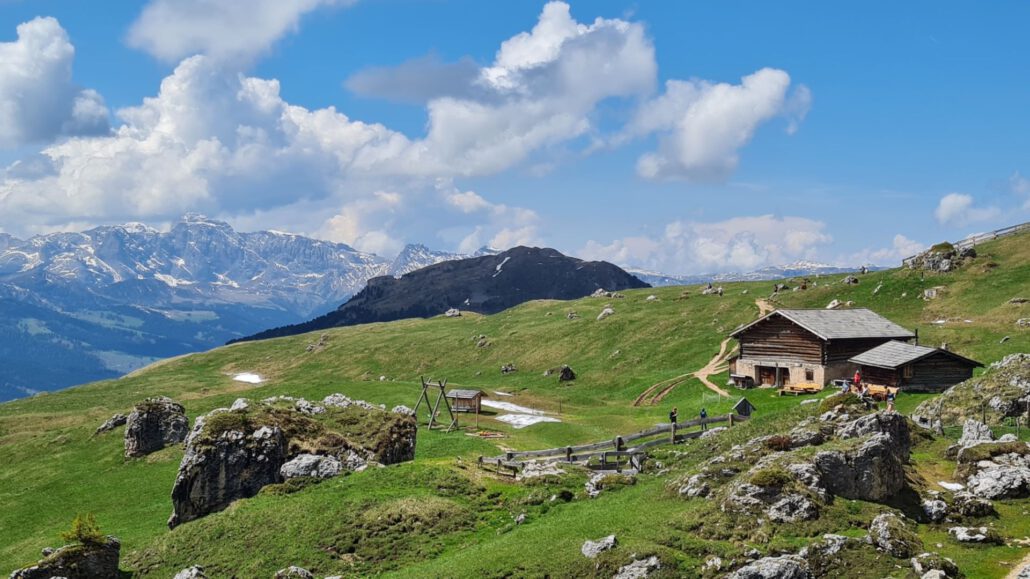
[51,466]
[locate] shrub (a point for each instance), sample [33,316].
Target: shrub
[770,476]
[779,442]
[84,531]
[943,247]
[831,402]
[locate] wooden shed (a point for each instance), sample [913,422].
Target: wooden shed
[914,368]
[808,346]
[466,400]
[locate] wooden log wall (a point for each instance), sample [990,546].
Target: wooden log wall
[843,350]
[937,372]
[874,375]
[777,338]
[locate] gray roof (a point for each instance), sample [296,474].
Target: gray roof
[839,324]
[895,354]
[464,393]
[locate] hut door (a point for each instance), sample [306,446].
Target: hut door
[766,376]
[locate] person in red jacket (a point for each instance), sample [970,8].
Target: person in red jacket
[857,381]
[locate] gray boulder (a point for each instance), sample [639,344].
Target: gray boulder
[890,534]
[311,465]
[591,549]
[112,423]
[401,409]
[935,510]
[890,424]
[783,567]
[974,431]
[966,505]
[153,424]
[872,472]
[77,562]
[293,572]
[793,508]
[999,481]
[926,564]
[220,468]
[639,569]
[696,486]
[194,572]
[984,535]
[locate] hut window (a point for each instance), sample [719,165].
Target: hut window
[907,372]
[809,375]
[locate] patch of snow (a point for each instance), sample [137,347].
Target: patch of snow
[248,378]
[524,420]
[500,265]
[171,281]
[951,486]
[509,407]
[939,322]
[499,393]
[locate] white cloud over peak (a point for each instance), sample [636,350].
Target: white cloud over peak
[736,244]
[957,209]
[703,125]
[38,100]
[224,29]
[1020,185]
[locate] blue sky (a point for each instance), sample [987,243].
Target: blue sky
[861,134]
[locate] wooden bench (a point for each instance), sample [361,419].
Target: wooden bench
[801,388]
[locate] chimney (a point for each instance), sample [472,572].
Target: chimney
[917,336]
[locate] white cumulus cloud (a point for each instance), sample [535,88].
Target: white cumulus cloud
[703,125]
[958,209]
[225,29]
[38,99]
[736,244]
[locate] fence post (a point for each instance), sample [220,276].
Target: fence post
[568,454]
[672,435]
[731,419]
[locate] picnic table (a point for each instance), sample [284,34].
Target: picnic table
[801,388]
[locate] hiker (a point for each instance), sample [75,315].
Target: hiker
[857,381]
[845,386]
[673,415]
[890,399]
[704,416]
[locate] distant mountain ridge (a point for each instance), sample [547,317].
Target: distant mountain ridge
[486,284]
[773,272]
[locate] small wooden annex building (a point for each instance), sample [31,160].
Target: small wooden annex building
[466,400]
[808,346]
[914,368]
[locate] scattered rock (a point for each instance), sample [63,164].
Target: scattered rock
[935,510]
[311,465]
[112,423]
[77,562]
[1007,438]
[697,486]
[1017,301]
[926,563]
[966,505]
[240,404]
[194,572]
[994,481]
[1023,322]
[305,407]
[834,304]
[651,298]
[591,549]
[508,368]
[520,519]
[402,409]
[639,569]
[605,313]
[933,293]
[154,424]
[783,567]
[539,468]
[850,280]
[889,533]
[984,535]
[453,313]
[293,572]
[572,316]
[793,508]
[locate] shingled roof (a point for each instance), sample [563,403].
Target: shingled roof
[464,394]
[894,354]
[839,324]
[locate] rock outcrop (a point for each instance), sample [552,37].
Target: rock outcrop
[112,423]
[221,467]
[153,424]
[77,562]
[872,472]
[784,567]
[233,454]
[890,534]
[591,549]
[194,572]
[1005,386]
[639,569]
[293,572]
[975,535]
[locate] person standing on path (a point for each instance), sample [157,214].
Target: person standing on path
[857,381]
[704,416]
[673,415]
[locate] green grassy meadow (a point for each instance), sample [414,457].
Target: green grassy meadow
[439,515]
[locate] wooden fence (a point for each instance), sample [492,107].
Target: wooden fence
[972,240]
[610,454]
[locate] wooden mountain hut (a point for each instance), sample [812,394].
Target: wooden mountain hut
[913,368]
[808,346]
[466,400]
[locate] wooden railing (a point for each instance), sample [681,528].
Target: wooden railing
[617,448]
[972,240]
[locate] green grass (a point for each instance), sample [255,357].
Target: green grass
[440,516]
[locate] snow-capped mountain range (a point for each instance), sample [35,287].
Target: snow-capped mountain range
[797,269]
[76,307]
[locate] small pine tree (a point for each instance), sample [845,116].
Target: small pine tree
[84,531]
